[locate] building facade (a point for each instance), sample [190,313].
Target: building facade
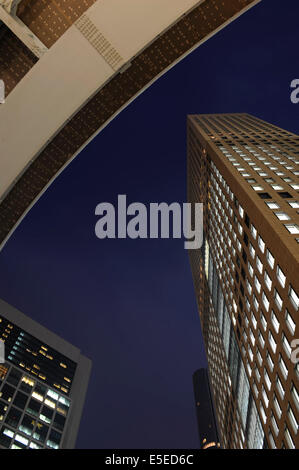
[43,383]
[205,412]
[70,66]
[246,172]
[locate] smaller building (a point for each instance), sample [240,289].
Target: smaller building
[43,384]
[206,418]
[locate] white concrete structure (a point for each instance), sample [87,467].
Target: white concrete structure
[8,10]
[102,43]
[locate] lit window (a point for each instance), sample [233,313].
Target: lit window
[267,379]
[265,301]
[270,361]
[292,420]
[251,250]
[294,298]
[295,395]
[275,322]
[257,284]
[253,320]
[278,299]
[268,281]
[253,231]
[241,211]
[273,205]
[292,228]
[266,400]
[280,276]
[261,244]
[286,345]
[282,216]
[277,407]
[294,204]
[250,269]
[259,264]
[283,367]
[37,396]
[258,188]
[277,187]
[290,323]
[270,259]
[21,439]
[261,339]
[263,321]
[274,425]
[295,186]
[272,342]
[255,303]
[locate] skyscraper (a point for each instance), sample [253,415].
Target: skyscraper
[43,383]
[246,280]
[206,419]
[70,66]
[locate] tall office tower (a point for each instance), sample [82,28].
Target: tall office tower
[70,66]
[43,383]
[206,419]
[246,280]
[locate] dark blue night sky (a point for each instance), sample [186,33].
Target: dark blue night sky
[129,305]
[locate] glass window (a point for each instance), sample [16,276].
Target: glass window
[286,345]
[263,321]
[268,281]
[293,420]
[294,298]
[27,425]
[59,422]
[278,299]
[251,250]
[275,322]
[253,231]
[40,432]
[13,417]
[283,367]
[20,400]
[280,276]
[3,409]
[282,216]
[14,376]
[27,384]
[257,284]
[250,269]
[265,301]
[54,439]
[261,244]
[270,259]
[290,323]
[277,407]
[292,228]
[5,437]
[267,379]
[259,264]
[46,414]
[7,392]
[33,407]
[272,342]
